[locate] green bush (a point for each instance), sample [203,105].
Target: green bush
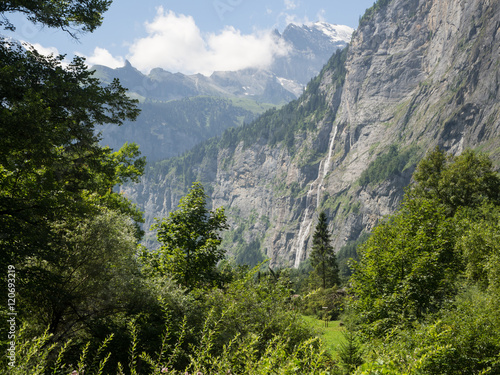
[314,303]
[247,328]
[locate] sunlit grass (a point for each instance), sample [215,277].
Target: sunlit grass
[331,335]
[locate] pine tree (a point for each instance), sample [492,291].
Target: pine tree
[323,257]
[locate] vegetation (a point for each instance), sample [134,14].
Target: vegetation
[201,117]
[190,239]
[426,282]
[70,16]
[392,163]
[349,253]
[423,297]
[370,12]
[323,259]
[85,299]
[60,218]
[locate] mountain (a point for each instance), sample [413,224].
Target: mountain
[179,111]
[416,75]
[166,129]
[309,48]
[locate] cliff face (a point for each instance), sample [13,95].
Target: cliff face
[418,73]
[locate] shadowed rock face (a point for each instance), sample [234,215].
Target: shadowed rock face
[418,73]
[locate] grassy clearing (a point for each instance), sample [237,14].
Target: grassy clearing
[331,335]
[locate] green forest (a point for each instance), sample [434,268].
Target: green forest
[419,295]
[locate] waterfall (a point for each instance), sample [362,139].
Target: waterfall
[305,226]
[326,166]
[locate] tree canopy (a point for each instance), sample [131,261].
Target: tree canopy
[409,266]
[66,15]
[56,181]
[190,238]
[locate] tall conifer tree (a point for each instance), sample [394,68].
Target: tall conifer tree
[323,257]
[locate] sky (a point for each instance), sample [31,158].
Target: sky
[189,36]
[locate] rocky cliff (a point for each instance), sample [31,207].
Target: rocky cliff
[418,73]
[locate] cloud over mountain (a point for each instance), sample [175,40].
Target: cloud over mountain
[175,43]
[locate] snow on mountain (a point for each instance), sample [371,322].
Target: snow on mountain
[337,33]
[309,48]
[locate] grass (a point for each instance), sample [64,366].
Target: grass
[331,335]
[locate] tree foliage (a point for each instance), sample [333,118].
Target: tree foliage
[51,164]
[386,165]
[467,180]
[323,258]
[60,219]
[63,14]
[190,238]
[444,231]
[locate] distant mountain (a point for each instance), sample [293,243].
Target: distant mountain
[166,129]
[310,47]
[179,110]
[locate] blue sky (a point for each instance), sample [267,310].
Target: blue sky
[189,36]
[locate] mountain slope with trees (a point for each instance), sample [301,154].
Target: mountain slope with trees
[417,74]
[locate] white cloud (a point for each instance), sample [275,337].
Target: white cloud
[175,43]
[46,51]
[102,56]
[290,4]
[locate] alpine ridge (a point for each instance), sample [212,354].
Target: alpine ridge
[417,74]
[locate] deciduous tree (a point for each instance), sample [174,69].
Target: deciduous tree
[190,238]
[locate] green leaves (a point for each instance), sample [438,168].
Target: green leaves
[57,181]
[426,284]
[63,14]
[407,267]
[467,180]
[190,239]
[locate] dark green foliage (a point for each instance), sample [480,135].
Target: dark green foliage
[66,15]
[50,161]
[323,259]
[169,128]
[349,252]
[247,328]
[249,254]
[205,115]
[324,304]
[467,180]
[407,268]
[71,238]
[462,339]
[56,182]
[410,265]
[350,351]
[386,165]
[73,241]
